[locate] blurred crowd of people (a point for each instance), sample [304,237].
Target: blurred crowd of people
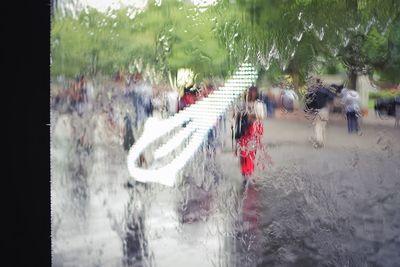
[126,103]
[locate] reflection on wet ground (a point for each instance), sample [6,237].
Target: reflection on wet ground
[336,206]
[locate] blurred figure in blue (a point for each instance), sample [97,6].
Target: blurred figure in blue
[142,103]
[271,104]
[397,111]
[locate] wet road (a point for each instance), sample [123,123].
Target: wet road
[336,206]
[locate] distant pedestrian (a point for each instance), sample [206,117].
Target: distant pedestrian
[397,111]
[320,123]
[172,102]
[351,102]
[319,100]
[128,133]
[187,99]
[271,104]
[288,99]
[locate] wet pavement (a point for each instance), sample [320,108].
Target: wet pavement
[335,206]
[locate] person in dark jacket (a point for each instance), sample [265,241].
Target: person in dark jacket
[128,133]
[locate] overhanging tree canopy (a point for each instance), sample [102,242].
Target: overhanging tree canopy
[295,34]
[280,36]
[167,37]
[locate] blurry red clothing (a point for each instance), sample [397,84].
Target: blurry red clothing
[248,144]
[186,100]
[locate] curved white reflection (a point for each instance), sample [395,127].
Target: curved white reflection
[199,118]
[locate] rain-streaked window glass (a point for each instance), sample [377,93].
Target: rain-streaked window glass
[225,133]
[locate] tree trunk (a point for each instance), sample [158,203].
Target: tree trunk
[296,81]
[295,75]
[352,80]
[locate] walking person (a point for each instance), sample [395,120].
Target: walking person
[319,101]
[270,104]
[397,111]
[288,99]
[82,95]
[248,131]
[172,103]
[351,102]
[320,122]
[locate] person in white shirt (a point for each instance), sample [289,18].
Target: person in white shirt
[288,99]
[351,103]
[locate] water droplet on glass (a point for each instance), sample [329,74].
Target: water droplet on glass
[320,34]
[346,40]
[298,36]
[300,15]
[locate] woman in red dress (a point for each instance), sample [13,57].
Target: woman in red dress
[253,111]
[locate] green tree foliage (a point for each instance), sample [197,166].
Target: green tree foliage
[301,34]
[390,69]
[167,37]
[295,37]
